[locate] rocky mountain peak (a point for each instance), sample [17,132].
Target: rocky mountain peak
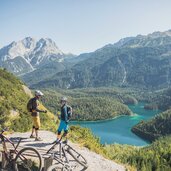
[48,46]
[29,53]
[151,40]
[29,42]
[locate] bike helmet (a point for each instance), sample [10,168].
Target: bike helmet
[38,93]
[64,99]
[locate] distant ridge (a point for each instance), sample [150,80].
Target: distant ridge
[141,61]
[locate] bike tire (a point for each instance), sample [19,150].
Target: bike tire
[28,159]
[77,156]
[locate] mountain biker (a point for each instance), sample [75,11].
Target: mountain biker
[64,120]
[35,114]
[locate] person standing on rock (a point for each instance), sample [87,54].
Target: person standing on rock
[33,107]
[66,112]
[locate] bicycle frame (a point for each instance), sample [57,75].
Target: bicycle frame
[14,150]
[57,155]
[12,156]
[4,140]
[62,151]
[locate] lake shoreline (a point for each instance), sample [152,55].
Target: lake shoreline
[117,130]
[98,121]
[104,120]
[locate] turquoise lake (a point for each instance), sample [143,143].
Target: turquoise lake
[119,130]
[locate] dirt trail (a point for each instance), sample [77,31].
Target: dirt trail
[95,161]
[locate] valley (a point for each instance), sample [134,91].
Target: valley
[120,93]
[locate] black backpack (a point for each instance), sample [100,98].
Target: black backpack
[69,111]
[30,105]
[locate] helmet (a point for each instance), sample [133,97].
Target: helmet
[64,99]
[38,93]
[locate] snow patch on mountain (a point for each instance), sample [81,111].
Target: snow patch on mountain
[21,48]
[123,70]
[34,52]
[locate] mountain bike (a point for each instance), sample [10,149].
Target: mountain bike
[64,156]
[27,159]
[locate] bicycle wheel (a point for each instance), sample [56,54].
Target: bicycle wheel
[77,156]
[28,159]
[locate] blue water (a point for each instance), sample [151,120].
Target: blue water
[119,130]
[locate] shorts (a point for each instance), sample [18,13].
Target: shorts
[36,121]
[63,126]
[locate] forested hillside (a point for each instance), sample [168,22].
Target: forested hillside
[14,114]
[159,99]
[154,157]
[157,127]
[43,72]
[91,104]
[141,61]
[13,100]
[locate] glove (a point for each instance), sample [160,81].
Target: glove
[45,111]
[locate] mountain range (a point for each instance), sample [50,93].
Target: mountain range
[141,61]
[30,54]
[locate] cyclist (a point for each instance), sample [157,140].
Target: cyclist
[64,120]
[35,114]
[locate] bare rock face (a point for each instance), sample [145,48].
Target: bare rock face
[27,91]
[29,54]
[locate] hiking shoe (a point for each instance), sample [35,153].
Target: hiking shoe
[38,139]
[32,136]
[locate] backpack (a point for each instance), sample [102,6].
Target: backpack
[30,105]
[69,111]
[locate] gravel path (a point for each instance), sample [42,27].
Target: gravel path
[95,161]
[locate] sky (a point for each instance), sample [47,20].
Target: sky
[79,26]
